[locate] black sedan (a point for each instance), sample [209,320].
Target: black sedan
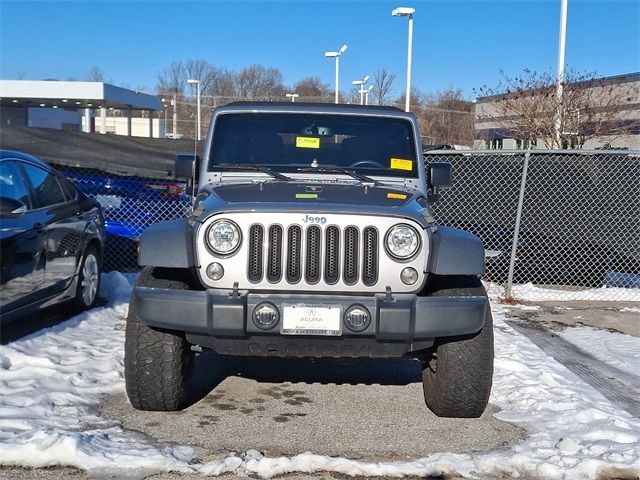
[51,239]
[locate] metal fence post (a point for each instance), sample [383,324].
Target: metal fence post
[516,231]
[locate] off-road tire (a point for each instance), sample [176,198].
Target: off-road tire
[79,301]
[157,362]
[457,378]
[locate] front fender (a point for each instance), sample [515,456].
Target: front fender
[167,244]
[456,252]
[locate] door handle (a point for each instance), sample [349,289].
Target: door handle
[38,227]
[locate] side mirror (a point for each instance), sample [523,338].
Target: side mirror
[185,164]
[10,207]
[439,175]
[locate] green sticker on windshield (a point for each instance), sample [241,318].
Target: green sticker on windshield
[306,195]
[307,142]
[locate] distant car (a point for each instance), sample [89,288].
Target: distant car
[130,205]
[51,240]
[174,136]
[551,260]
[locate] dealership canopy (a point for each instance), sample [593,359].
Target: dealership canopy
[51,93]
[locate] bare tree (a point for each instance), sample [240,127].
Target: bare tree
[172,79]
[260,83]
[95,74]
[382,85]
[525,107]
[312,89]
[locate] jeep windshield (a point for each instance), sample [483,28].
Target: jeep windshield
[300,142]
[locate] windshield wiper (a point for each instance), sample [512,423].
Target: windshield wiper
[254,168]
[351,173]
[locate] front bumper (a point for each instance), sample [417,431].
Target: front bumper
[221,320]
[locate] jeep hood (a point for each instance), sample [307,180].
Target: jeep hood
[277,196]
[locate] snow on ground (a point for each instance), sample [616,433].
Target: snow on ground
[615,349]
[52,381]
[530,292]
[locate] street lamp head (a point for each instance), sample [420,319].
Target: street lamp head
[403,11]
[364,80]
[357,82]
[343,48]
[191,80]
[294,95]
[331,54]
[370,88]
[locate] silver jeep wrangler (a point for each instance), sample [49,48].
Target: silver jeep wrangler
[311,236]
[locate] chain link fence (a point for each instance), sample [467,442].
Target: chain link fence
[130,204]
[556,225]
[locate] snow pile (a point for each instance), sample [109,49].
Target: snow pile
[615,349]
[530,292]
[52,382]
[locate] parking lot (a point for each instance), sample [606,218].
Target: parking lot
[323,418]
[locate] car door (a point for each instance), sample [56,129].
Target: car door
[63,224]
[22,244]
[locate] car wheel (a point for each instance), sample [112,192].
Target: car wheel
[88,279]
[157,362]
[457,377]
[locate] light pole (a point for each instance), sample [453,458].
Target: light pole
[292,96]
[407,12]
[197,83]
[336,55]
[361,90]
[366,94]
[562,39]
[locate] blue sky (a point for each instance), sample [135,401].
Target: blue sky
[457,43]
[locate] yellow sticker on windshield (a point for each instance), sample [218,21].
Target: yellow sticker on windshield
[306,195]
[401,164]
[397,196]
[307,142]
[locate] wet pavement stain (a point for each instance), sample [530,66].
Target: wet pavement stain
[257,400]
[285,417]
[224,406]
[152,424]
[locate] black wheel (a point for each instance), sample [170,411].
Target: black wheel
[88,279]
[157,362]
[457,378]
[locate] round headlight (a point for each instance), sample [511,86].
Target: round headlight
[224,237]
[402,241]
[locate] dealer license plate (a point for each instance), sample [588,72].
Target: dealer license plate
[311,320]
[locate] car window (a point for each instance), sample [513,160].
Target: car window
[69,190]
[45,185]
[12,184]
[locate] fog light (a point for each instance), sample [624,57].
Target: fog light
[266,316]
[409,276]
[215,271]
[357,318]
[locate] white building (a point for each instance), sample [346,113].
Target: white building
[80,106]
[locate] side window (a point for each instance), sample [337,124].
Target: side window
[69,190]
[45,185]
[12,184]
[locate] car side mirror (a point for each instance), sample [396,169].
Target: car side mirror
[439,176]
[10,207]
[188,167]
[185,163]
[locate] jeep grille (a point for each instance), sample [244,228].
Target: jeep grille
[318,253]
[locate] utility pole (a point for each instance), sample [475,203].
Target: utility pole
[175,116]
[560,78]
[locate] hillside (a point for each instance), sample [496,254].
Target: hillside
[150,157]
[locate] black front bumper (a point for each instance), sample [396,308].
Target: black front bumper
[222,320]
